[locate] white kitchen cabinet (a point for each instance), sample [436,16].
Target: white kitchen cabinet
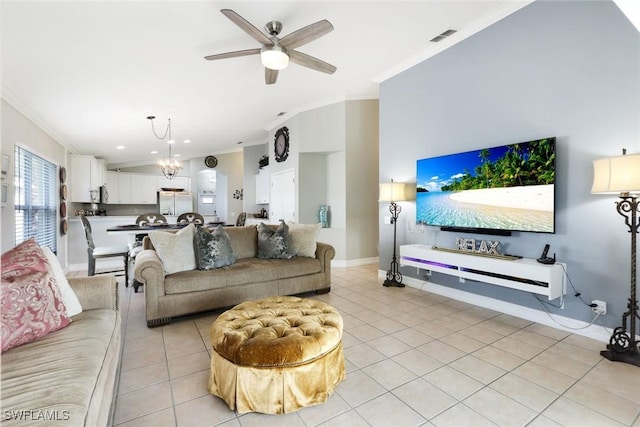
[143,189]
[124,188]
[119,188]
[111,182]
[263,186]
[98,172]
[86,174]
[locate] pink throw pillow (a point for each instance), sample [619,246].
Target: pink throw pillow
[31,302]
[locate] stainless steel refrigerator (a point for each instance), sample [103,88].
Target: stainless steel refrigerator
[175,202]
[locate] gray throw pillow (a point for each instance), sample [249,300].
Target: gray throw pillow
[274,243]
[213,250]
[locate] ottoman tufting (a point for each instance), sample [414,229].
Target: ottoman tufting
[276,355]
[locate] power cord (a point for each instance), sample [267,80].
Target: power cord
[565,326]
[575,291]
[577,294]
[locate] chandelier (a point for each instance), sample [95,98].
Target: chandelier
[169,165]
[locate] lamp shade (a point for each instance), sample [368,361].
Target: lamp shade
[274,57]
[392,192]
[614,175]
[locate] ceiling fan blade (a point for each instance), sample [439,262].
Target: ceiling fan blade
[270,76]
[247,27]
[306,34]
[311,62]
[233,54]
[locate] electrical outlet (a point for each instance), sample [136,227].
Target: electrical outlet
[601,307]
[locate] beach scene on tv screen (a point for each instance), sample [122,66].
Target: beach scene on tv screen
[509,187]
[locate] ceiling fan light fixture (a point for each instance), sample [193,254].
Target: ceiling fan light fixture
[274,57]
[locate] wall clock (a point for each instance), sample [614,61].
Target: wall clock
[281,144]
[210,161]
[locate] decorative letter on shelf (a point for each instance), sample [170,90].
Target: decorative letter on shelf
[484,247]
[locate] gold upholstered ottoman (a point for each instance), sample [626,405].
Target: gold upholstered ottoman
[276,355]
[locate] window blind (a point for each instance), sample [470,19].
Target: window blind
[35,198]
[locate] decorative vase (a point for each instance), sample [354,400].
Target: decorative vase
[323,216]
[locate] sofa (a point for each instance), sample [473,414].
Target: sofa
[70,376]
[248,277]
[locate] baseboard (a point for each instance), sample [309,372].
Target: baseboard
[339,263]
[596,332]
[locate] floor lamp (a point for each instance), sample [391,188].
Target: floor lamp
[393,192]
[621,175]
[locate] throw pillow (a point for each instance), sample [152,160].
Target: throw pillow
[31,303]
[303,239]
[274,243]
[69,297]
[213,250]
[175,249]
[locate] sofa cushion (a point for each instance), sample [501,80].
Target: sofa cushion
[303,239]
[274,243]
[69,297]
[244,241]
[32,306]
[70,371]
[213,250]
[175,249]
[244,271]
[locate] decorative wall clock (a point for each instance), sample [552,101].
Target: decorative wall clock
[281,144]
[210,161]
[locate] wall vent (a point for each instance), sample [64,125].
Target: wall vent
[442,36]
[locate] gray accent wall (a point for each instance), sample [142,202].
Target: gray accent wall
[569,69]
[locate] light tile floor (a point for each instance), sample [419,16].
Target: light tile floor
[413,359]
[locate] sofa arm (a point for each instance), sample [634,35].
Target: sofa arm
[325,253]
[149,268]
[149,271]
[95,292]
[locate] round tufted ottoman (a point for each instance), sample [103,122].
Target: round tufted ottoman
[276,355]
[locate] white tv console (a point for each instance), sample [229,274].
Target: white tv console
[524,274]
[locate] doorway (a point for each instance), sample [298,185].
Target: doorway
[283,196]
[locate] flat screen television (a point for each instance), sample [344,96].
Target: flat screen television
[494,190]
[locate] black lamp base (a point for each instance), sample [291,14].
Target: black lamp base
[627,357]
[393,282]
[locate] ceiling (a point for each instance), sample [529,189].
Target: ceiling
[90,72]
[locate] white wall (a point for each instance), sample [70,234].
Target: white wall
[564,69]
[334,150]
[18,130]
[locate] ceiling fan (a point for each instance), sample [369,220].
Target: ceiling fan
[275,52]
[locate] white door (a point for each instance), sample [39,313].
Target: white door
[283,197]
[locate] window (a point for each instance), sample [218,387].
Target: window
[35,198]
